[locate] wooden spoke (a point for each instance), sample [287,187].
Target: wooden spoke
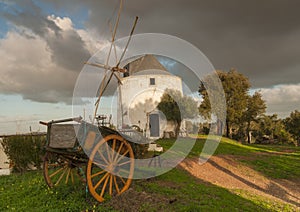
[110,184]
[107,179]
[101,155]
[68,175]
[124,170]
[100,164]
[122,180]
[59,170]
[122,156]
[60,177]
[98,173]
[104,186]
[56,172]
[116,184]
[124,163]
[100,181]
[119,150]
[54,165]
[113,150]
[108,152]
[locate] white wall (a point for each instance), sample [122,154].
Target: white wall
[3,159]
[139,98]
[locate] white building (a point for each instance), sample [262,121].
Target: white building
[141,90]
[4,162]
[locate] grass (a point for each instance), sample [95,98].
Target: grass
[28,192]
[176,190]
[275,161]
[191,194]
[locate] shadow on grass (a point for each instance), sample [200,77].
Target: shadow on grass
[179,191]
[273,189]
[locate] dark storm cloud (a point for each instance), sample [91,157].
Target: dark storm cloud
[27,14]
[259,38]
[68,50]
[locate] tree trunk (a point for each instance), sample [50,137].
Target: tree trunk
[248,133]
[177,128]
[228,130]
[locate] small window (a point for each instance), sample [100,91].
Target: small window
[152,81]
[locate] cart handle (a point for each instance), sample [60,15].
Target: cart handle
[77,119]
[44,123]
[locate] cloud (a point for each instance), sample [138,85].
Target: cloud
[27,14]
[68,49]
[258,38]
[63,41]
[282,99]
[28,70]
[282,93]
[43,68]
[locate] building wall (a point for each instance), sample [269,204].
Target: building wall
[139,99]
[3,159]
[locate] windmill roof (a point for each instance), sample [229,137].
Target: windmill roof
[146,62]
[152,72]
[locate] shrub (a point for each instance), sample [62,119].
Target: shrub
[24,151]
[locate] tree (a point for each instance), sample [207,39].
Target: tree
[256,107]
[236,87]
[177,107]
[293,125]
[271,128]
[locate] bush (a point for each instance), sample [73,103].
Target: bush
[24,151]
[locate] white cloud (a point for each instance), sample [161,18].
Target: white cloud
[282,94]
[43,68]
[282,99]
[64,23]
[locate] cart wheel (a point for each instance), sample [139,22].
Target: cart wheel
[61,171]
[110,167]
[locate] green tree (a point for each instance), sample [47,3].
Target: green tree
[293,125]
[271,128]
[177,107]
[236,87]
[256,107]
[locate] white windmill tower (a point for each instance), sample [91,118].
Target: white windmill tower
[143,85]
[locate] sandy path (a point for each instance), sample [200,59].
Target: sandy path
[227,172]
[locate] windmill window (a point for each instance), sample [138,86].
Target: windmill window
[152,81]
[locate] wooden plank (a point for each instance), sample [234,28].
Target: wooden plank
[63,135]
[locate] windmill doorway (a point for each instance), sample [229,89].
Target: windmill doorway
[154,125]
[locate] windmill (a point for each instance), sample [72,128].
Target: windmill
[110,71]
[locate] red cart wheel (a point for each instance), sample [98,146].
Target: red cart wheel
[110,167]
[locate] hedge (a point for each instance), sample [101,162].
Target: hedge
[24,151]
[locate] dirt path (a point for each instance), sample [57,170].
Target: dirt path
[225,171]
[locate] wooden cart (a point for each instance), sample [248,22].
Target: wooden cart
[97,156]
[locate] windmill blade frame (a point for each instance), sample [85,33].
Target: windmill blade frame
[116,69]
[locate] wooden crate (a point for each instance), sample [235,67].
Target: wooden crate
[63,135]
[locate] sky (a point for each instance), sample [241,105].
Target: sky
[44,44]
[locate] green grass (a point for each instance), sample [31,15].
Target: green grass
[191,194]
[176,190]
[275,161]
[28,192]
